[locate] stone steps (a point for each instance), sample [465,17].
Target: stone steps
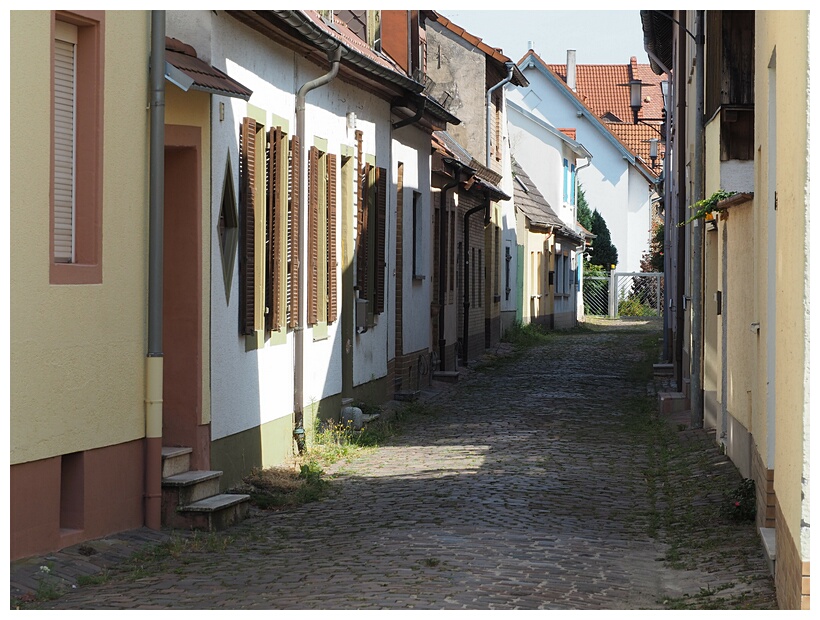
[191,498]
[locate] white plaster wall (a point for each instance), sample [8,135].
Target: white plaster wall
[249,388]
[412,148]
[370,349]
[737,175]
[606,181]
[540,155]
[639,222]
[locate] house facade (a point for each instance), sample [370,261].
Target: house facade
[316,163]
[555,157]
[79,234]
[618,183]
[741,353]
[468,77]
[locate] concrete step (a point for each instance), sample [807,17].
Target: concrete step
[175,460]
[447,376]
[217,512]
[769,547]
[672,402]
[662,370]
[191,486]
[407,395]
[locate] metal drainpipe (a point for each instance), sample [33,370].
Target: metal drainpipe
[153,360]
[465,329]
[442,265]
[334,57]
[696,386]
[680,233]
[579,261]
[490,92]
[667,213]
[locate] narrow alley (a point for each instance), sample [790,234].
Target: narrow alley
[544,480]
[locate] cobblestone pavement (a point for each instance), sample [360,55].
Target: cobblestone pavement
[542,481]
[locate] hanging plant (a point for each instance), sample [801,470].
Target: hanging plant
[707,205]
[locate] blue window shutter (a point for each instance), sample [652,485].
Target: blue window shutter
[566,169]
[572,185]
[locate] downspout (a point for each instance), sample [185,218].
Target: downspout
[153,360]
[442,264]
[510,67]
[667,212]
[697,239]
[407,121]
[680,233]
[579,261]
[334,57]
[465,329]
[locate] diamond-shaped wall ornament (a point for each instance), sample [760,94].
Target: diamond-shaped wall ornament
[227,228]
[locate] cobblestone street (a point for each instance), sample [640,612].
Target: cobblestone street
[541,481]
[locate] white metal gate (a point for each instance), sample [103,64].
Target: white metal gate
[624,294]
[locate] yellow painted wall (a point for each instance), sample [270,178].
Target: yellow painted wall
[194,109]
[786,32]
[738,312]
[712,362]
[534,243]
[77,351]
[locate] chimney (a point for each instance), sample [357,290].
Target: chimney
[529,46]
[571,69]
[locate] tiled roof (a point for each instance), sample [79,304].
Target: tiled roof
[569,132]
[444,144]
[603,89]
[205,77]
[530,201]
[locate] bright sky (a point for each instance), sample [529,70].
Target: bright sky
[599,37]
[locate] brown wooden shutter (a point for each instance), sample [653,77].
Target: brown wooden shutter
[313,237]
[293,317]
[332,310]
[362,254]
[381,241]
[247,197]
[273,320]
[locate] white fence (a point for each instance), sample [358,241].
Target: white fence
[624,294]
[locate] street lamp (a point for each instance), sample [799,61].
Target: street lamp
[636,102]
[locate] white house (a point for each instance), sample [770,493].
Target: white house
[310,174]
[552,159]
[618,183]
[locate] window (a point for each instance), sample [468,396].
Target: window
[418,236]
[77,141]
[268,228]
[371,233]
[481,277]
[507,260]
[566,180]
[451,249]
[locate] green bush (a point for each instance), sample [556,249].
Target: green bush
[633,307]
[742,502]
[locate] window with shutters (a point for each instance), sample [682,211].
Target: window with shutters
[77,140]
[371,241]
[276,234]
[321,284]
[268,228]
[418,237]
